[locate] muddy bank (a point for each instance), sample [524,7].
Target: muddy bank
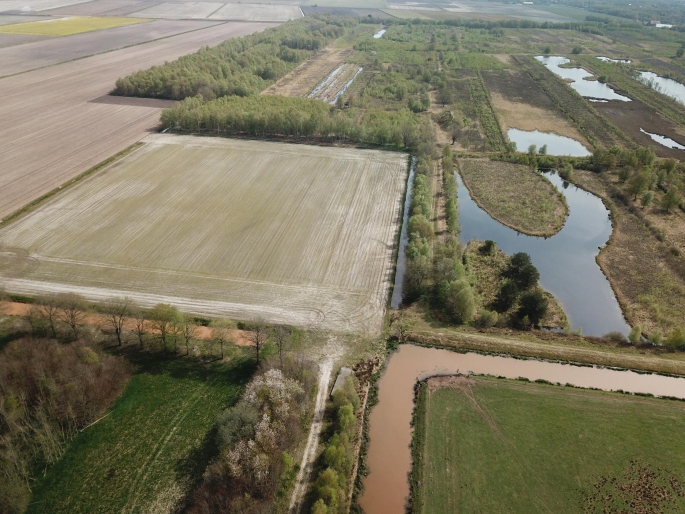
[630,117]
[389,457]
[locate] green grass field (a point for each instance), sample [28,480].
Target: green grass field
[67,26]
[146,454]
[515,447]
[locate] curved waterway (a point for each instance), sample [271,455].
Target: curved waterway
[566,261]
[668,87]
[386,488]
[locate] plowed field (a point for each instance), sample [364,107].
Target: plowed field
[296,234]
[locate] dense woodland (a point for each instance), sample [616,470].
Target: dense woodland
[242,66]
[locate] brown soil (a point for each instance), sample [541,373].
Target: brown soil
[50,130]
[630,117]
[521,104]
[307,75]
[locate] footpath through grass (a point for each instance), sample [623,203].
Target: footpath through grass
[156,441]
[506,446]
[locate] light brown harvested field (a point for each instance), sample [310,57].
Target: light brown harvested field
[104,7]
[183,10]
[18,39]
[35,5]
[51,132]
[42,53]
[257,12]
[294,234]
[303,79]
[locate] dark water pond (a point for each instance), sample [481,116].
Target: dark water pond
[566,261]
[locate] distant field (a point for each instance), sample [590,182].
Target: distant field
[186,10]
[505,446]
[156,442]
[257,12]
[66,26]
[291,233]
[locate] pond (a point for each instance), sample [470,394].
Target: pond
[566,261]
[663,140]
[401,266]
[380,33]
[345,87]
[556,145]
[668,87]
[386,488]
[578,76]
[619,61]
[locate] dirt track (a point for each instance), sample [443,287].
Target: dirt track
[51,133]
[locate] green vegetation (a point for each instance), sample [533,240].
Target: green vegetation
[243,66]
[331,489]
[154,443]
[505,446]
[515,195]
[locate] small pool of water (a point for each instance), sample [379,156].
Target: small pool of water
[668,87]
[566,261]
[380,33]
[556,145]
[344,88]
[663,140]
[401,266]
[578,76]
[619,61]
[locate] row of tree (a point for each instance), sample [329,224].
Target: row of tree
[297,118]
[241,66]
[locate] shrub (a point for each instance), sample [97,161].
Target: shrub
[487,319]
[532,305]
[489,247]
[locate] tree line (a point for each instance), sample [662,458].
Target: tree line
[241,66]
[300,119]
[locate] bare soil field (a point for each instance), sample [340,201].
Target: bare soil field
[105,7]
[9,19]
[630,117]
[521,104]
[303,79]
[257,12]
[19,39]
[38,54]
[185,10]
[291,233]
[35,5]
[50,130]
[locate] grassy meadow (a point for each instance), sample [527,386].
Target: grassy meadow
[506,446]
[153,444]
[67,26]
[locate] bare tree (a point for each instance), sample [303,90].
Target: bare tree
[188,330]
[258,335]
[118,311]
[221,332]
[49,313]
[281,335]
[71,311]
[140,320]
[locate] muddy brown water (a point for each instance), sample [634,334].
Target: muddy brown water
[386,488]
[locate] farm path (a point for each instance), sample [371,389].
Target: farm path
[50,128]
[333,350]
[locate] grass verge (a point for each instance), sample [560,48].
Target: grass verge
[151,447]
[506,446]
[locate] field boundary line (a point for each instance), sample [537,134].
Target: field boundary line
[29,207]
[215,24]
